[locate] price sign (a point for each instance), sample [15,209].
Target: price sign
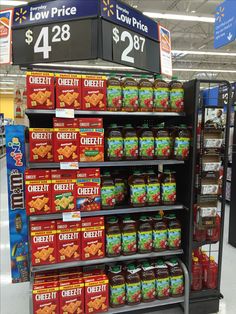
[63,41]
[65,113]
[121,45]
[223,96]
[71,216]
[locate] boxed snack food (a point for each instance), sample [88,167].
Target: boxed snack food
[91,145]
[88,196]
[41,145]
[68,91]
[96,294]
[68,241]
[43,242]
[72,296]
[92,238]
[38,191]
[90,123]
[63,190]
[46,298]
[66,137]
[94,92]
[40,90]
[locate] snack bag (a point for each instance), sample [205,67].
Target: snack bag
[40,90]
[41,145]
[96,294]
[72,296]
[68,241]
[88,196]
[43,242]
[66,136]
[38,192]
[63,190]
[94,92]
[91,145]
[68,91]
[46,298]
[92,238]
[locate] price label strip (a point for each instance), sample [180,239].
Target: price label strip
[71,165]
[71,216]
[65,113]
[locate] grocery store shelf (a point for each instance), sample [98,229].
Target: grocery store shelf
[201,243]
[127,163]
[204,293]
[108,113]
[115,211]
[105,260]
[143,306]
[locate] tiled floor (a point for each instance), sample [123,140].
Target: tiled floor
[14,299]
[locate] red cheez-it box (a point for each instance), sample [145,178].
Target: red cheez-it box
[72,296]
[41,145]
[63,190]
[94,92]
[88,196]
[43,242]
[91,145]
[38,191]
[46,298]
[96,294]
[68,241]
[68,91]
[40,90]
[90,123]
[92,238]
[66,138]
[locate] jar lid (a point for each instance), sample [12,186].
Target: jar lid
[112,219]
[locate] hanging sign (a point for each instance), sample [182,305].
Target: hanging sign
[5,36]
[15,156]
[165,51]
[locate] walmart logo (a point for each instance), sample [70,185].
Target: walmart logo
[20,15]
[220,14]
[108,7]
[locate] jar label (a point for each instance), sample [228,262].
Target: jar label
[146,98]
[114,97]
[161,98]
[177,99]
[108,196]
[145,240]
[129,240]
[153,192]
[169,192]
[133,292]
[113,244]
[130,98]
[148,289]
[177,285]
[160,239]
[174,238]
[163,287]
[115,147]
[163,146]
[181,148]
[131,147]
[117,294]
[146,146]
[138,194]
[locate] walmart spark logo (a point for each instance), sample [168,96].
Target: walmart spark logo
[108,7]
[20,15]
[220,14]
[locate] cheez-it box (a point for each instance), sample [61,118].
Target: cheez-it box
[63,190]
[41,145]
[68,91]
[68,241]
[90,123]
[38,192]
[46,298]
[40,90]
[72,296]
[94,92]
[92,238]
[91,145]
[96,294]
[88,196]
[43,242]
[66,139]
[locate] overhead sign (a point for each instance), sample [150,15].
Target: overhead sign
[225,23]
[54,11]
[5,36]
[165,51]
[126,16]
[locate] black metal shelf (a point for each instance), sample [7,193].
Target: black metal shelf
[115,211]
[108,113]
[128,163]
[204,293]
[199,244]
[105,260]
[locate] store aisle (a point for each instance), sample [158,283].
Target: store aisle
[14,298]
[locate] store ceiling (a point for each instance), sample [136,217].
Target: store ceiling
[186,35]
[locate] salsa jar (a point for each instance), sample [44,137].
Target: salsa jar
[116,278]
[176,96]
[113,237]
[133,285]
[148,289]
[114,94]
[160,233]
[114,143]
[108,193]
[168,188]
[162,280]
[145,235]
[163,142]
[153,188]
[129,236]
[145,95]
[182,139]
[137,187]
[161,95]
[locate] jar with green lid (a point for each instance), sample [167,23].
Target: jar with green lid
[130,94]
[176,95]
[153,186]
[163,142]
[130,139]
[174,232]
[132,284]
[161,94]
[145,94]
[114,93]
[162,280]
[168,188]
[137,186]
[182,137]
[146,142]
[148,282]
[113,237]
[159,233]
[117,286]
[108,192]
[129,236]
[145,234]
[114,143]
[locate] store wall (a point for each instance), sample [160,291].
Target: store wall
[7,105]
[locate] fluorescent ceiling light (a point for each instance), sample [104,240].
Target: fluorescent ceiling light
[11,75]
[7,82]
[6,88]
[204,70]
[13,3]
[179,17]
[80,66]
[6,93]
[206,53]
